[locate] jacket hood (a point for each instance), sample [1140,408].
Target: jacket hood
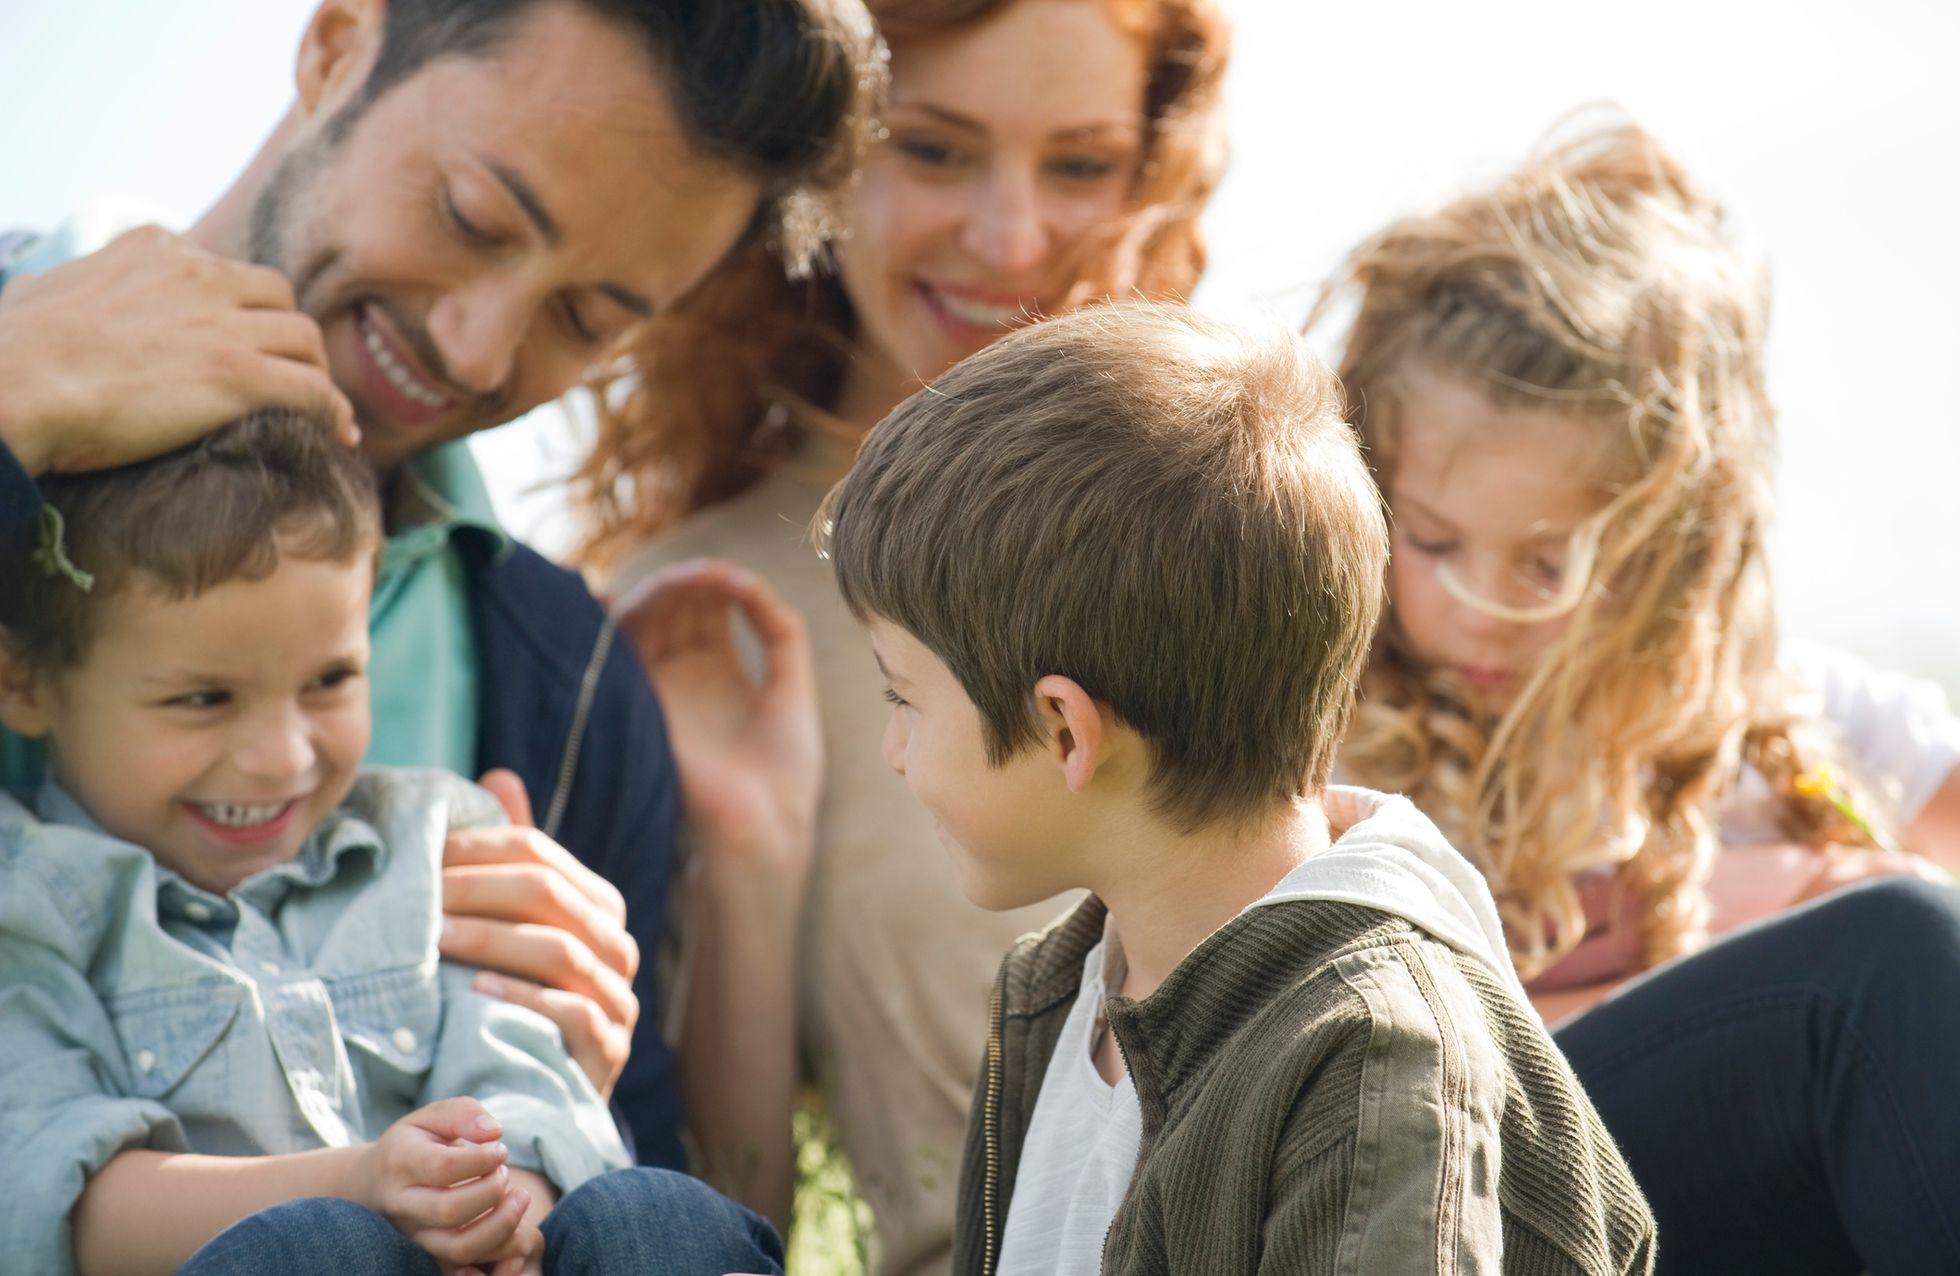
[1389,856]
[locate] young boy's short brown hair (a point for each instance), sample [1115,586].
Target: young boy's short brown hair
[1171,511]
[223,508]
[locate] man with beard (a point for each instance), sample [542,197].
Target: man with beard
[468,202]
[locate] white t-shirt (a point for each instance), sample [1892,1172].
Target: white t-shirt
[1894,732]
[1081,1149]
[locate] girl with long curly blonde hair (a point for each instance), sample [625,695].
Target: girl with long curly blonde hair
[1034,156]
[1560,385]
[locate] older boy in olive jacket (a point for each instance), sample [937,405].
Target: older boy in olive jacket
[1122,570]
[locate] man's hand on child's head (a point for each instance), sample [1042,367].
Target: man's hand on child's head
[439,1175]
[517,903]
[147,345]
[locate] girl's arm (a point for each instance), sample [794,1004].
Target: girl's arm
[1745,885]
[751,761]
[1935,831]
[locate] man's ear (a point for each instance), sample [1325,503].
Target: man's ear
[23,694]
[337,51]
[1075,729]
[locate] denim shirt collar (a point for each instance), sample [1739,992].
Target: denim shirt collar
[319,861]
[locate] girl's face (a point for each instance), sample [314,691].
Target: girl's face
[1009,143]
[1486,497]
[216,731]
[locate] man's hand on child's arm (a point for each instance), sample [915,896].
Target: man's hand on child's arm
[440,1176]
[516,902]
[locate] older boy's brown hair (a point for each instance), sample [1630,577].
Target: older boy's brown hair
[1168,510]
[224,508]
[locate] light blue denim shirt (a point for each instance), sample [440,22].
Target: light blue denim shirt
[307,1008]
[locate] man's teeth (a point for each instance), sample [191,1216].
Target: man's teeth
[981,315]
[398,376]
[239,815]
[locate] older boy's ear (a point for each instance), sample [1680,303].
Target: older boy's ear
[1074,730]
[23,699]
[336,52]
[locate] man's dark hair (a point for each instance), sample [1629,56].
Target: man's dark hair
[227,507]
[780,89]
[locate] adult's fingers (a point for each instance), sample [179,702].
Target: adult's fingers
[508,788]
[780,627]
[540,895]
[543,955]
[261,380]
[287,334]
[598,1045]
[528,846]
[253,286]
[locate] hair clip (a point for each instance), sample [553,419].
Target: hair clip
[51,554]
[1822,784]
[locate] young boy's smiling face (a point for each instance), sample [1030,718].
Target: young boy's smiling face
[216,731]
[999,823]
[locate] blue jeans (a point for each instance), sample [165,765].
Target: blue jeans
[1789,1099]
[628,1221]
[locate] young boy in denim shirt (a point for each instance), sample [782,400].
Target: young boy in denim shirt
[222,994]
[1122,570]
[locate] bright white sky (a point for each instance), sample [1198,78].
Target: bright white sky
[1829,130]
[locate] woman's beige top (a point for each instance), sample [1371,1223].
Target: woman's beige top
[895,965]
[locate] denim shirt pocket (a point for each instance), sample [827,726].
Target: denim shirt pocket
[171,1042]
[390,1019]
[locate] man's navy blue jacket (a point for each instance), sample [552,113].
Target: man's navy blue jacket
[566,707]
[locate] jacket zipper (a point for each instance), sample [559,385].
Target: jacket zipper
[991,1124]
[588,687]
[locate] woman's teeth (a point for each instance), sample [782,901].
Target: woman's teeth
[239,815]
[980,315]
[398,376]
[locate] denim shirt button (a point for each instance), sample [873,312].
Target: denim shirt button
[404,1040]
[198,911]
[145,1060]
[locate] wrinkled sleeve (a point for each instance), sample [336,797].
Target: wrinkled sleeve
[513,1061]
[61,1119]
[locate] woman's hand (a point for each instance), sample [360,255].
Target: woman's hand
[439,1175]
[517,903]
[750,749]
[142,347]
[751,760]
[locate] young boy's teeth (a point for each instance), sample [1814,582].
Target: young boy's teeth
[239,815]
[398,376]
[981,315]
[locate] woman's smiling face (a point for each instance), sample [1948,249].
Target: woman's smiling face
[1010,143]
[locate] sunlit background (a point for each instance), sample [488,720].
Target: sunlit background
[1831,132]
